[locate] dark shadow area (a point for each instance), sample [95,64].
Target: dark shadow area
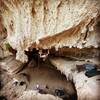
[3,98]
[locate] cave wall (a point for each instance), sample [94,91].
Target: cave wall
[43,24]
[66,28]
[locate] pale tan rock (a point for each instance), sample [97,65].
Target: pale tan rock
[47,23]
[87,88]
[33,95]
[43,24]
[11,65]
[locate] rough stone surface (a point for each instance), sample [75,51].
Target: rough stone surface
[47,23]
[70,32]
[87,88]
[23,85]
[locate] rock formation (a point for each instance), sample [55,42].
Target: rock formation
[50,23]
[40,37]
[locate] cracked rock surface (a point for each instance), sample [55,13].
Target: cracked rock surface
[43,47]
[50,23]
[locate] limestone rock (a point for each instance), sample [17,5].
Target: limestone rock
[87,88]
[50,23]
[33,95]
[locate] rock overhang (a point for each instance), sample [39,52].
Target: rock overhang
[43,24]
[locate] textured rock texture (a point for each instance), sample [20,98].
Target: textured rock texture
[23,84]
[35,82]
[40,37]
[87,88]
[50,23]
